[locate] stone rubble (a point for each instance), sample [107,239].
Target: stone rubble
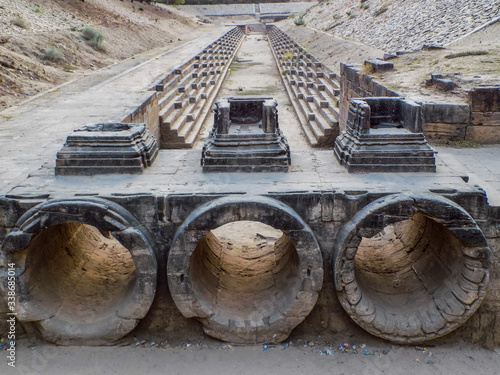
[40,18]
[405,25]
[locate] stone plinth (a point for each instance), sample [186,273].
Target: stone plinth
[107,148]
[246,138]
[384,135]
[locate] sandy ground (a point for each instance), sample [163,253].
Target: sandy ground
[412,70]
[253,73]
[295,356]
[26,71]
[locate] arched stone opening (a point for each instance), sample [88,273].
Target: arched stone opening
[411,269]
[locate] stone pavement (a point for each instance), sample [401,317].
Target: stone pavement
[33,132]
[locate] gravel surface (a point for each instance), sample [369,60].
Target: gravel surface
[405,25]
[41,17]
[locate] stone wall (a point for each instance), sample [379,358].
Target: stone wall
[355,84]
[147,113]
[475,121]
[156,220]
[484,105]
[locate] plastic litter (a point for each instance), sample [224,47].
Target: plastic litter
[368,352]
[264,347]
[430,362]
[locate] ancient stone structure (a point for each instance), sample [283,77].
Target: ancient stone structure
[188,92]
[414,274]
[107,148]
[476,121]
[259,295]
[311,86]
[87,270]
[384,135]
[407,258]
[246,138]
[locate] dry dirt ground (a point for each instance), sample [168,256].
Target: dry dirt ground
[25,69]
[479,67]
[470,62]
[296,356]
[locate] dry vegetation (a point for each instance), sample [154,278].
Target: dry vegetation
[44,44]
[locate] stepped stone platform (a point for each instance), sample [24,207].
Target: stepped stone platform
[246,138]
[107,148]
[186,95]
[384,135]
[312,87]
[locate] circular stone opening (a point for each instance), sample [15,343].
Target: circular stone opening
[245,271]
[415,280]
[401,267]
[78,274]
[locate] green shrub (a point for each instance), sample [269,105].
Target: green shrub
[53,54]
[333,26]
[379,11]
[299,21]
[19,22]
[94,38]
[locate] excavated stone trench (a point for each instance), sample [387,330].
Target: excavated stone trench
[245,270]
[77,273]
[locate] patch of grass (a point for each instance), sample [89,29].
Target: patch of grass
[141,9]
[367,69]
[466,53]
[364,6]
[94,38]
[37,10]
[299,21]
[258,91]
[53,54]
[379,11]
[7,118]
[236,66]
[333,26]
[350,14]
[19,22]
[68,68]
[462,144]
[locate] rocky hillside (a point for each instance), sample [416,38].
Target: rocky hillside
[401,25]
[42,44]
